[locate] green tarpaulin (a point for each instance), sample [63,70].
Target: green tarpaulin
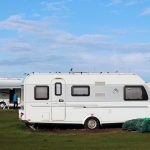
[140,125]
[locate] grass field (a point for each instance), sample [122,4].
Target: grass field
[14,135]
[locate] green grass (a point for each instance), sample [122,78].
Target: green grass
[14,135]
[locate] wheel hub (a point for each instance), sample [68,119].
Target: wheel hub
[2,105]
[92,124]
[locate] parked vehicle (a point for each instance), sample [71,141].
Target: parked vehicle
[9,86]
[91,99]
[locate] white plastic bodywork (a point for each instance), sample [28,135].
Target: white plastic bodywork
[106,101]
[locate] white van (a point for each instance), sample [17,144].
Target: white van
[91,99]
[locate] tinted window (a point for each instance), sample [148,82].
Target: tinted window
[58,89]
[41,93]
[135,93]
[80,90]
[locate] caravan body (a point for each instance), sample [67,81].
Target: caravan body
[84,98]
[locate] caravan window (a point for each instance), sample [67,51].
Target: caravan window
[135,93]
[41,92]
[80,90]
[58,89]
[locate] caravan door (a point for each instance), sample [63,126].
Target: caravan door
[58,110]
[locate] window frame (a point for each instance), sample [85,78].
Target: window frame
[80,86]
[41,98]
[60,89]
[144,97]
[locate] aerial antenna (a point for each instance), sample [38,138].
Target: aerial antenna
[71,70]
[26,74]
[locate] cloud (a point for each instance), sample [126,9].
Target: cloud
[131,58]
[38,36]
[145,47]
[56,6]
[134,2]
[126,2]
[42,27]
[15,46]
[16,22]
[114,2]
[132,62]
[38,47]
[115,12]
[145,12]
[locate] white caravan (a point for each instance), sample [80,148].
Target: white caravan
[9,86]
[91,99]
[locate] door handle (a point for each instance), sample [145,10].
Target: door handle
[61,100]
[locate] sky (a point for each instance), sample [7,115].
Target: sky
[86,35]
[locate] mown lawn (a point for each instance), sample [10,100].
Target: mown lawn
[14,135]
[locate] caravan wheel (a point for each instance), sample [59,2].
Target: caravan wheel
[92,123]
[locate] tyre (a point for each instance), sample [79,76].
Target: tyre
[2,105]
[92,123]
